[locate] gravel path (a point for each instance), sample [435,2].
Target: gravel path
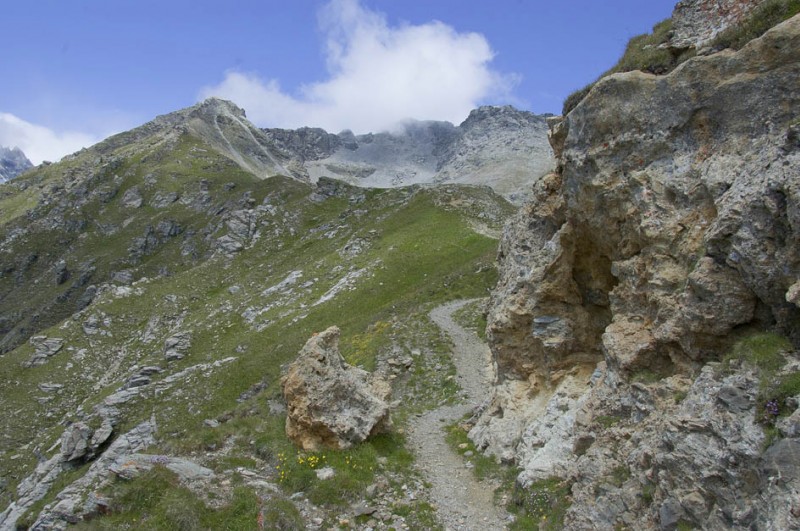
[461,501]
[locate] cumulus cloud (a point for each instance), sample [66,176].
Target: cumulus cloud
[378,76]
[38,142]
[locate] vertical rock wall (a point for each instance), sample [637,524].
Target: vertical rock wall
[670,230]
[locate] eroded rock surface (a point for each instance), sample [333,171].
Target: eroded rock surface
[330,403]
[670,229]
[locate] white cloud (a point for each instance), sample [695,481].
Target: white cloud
[38,142]
[377,76]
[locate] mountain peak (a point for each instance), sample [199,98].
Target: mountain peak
[12,163]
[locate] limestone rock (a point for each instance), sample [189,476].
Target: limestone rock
[132,198]
[131,466]
[670,227]
[329,403]
[44,348]
[75,441]
[176,346]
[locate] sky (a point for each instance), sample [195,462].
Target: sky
[76,72]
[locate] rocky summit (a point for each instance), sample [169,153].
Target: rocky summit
[588,321]
[12,163]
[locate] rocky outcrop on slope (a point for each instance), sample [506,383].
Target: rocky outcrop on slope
[329,403]
[697,22]
[12,163]
[670,229]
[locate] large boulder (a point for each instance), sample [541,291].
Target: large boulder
[330,403]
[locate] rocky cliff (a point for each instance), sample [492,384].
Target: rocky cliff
[500,147]
[12,163]
[667,240]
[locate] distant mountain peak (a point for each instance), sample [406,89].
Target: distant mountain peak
[12,163]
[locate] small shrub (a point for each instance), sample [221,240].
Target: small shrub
[680,396]
[647,493]
[619,475]
[763,351]
[280,515]
[646,376]
[607,421]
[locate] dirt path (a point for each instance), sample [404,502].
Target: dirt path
[462,502]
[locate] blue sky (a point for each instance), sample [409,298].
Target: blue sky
[75,72]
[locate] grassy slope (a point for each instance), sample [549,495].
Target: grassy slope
[419,251]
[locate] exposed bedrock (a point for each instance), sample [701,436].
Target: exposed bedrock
[670,229]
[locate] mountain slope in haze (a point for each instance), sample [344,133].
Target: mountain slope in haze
[151,289]
[12,163]
[500,147]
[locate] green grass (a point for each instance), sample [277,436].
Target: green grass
[765,354]
[420,252]
[607,421]
[282,515]
[763,351]
[354,469]
[641,53]
[767,15]
[619,475]
[156,500]
[542,505]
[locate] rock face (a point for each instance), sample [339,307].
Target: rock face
[329,403]
[500,147]
[670,229]
[696,22]
[12,163]
[44,348]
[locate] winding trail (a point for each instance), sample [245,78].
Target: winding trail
[461,501]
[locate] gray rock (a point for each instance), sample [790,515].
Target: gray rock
[697,22]
[75,441]
[132,198]
[101,435]
[669,228]
[329,403]
[133,465]
[163,199]
[176,346]
[44,349]
[124,277]
[229,245]
[62,274]
[781,461]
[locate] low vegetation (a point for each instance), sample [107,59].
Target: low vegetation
[541,505]
[766,353]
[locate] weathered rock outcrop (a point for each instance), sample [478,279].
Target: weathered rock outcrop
[329,403]
[670,229]
[696,22]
